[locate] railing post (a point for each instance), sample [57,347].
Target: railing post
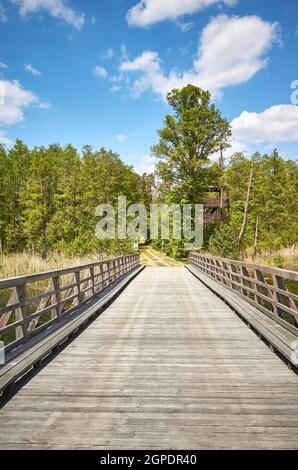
[20,312]
[91,272]
[63,291]
[249,281]
[77,288]
[279,282]
[245,273]
[56,296]
[260,277]
[235,277]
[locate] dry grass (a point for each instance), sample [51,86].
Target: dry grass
[18,264]
[286,258]
[152,257]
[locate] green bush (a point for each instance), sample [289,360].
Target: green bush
[224,242]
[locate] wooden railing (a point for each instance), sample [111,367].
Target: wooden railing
[269,289]
[31,303]
[214,202]
[213,218]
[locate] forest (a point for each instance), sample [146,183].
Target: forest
[48,195]
[48,198]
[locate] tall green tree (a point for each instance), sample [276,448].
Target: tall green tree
[190,136]
[38,196]
[64,224]
[6,196]
[20,164]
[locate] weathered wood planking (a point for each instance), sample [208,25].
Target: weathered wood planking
[23,360]
[279,338]
[167,365]
[58,299]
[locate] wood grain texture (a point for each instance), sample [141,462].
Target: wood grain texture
[55,300]
[167,365]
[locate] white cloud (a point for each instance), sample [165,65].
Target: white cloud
[276,124]
[231,51]
[3,139]
[43,105]
[3,16]
[152,76]
[100,71]
[146,164]
[253,132]
[56,8]
[147,12]
[121,137]
[3,66]
[236,146]
[13,99]
[184,27]
[123,51]
[29,68]
[115,88]
[183,51]
[116,78]
[108,54]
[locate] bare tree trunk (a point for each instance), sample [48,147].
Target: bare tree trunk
[44,241]
[221,165]
[244,223]
[256,238]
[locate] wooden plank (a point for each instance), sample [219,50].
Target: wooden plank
[80,290]
[278,337]
[19,362]
[167,365]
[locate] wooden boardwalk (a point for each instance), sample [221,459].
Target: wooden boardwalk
[167,365]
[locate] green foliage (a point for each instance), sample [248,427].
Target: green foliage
[48,195]
[279,261]
[224,242]
[190,136]
[274,200]
[188,139]
[48,198]
[171,247]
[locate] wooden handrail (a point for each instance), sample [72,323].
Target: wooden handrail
[38,300]
[213,218]
[264,287]
[214,202]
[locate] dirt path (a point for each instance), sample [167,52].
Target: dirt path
[151,257]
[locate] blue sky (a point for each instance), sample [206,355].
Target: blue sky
[97,71]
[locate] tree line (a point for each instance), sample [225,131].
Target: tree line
[262,189]
[272,218]
[48,198]
[48,195]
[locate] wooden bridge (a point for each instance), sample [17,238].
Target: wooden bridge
[113,356]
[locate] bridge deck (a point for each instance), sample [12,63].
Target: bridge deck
[167,365]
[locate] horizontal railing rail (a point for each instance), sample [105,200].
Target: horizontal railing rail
[213,218]
[271,290]
[29,304]
[214,202]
